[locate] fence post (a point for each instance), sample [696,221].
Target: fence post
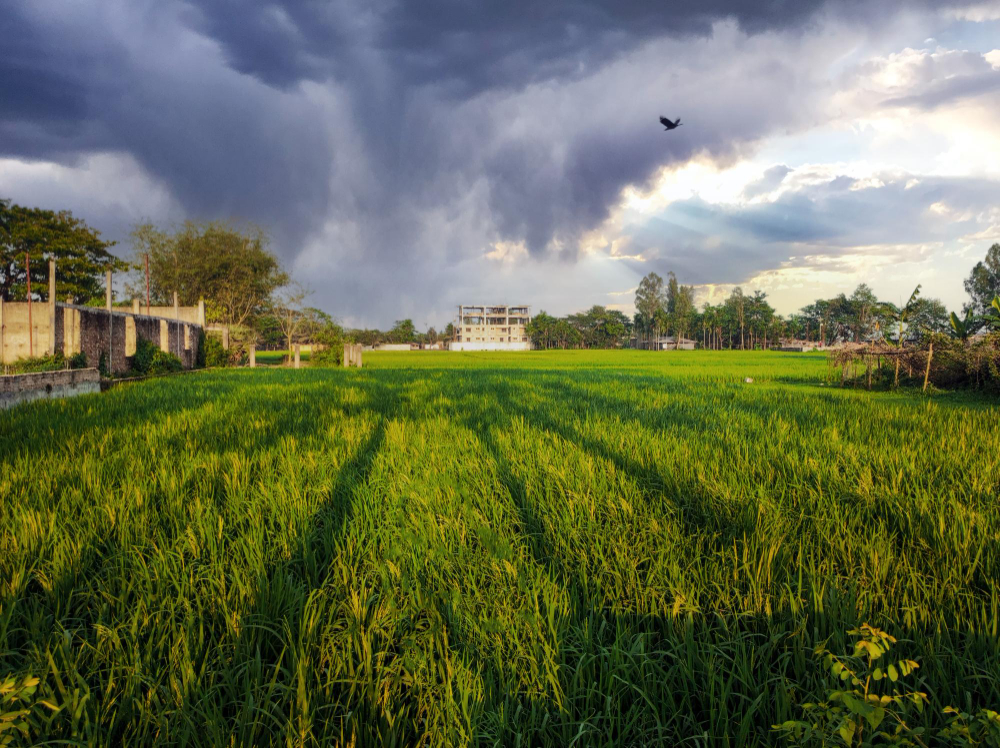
[927,371]
[31,347]
[111,327]
[52,307]
[297,347]
[253,355]
[177,316]
[3,330]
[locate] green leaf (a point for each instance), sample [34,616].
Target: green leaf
[893,673]
[875,717]
[847,731]
[878,674]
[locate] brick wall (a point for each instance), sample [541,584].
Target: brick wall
[94,331]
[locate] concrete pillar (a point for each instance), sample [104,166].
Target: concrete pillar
[348,352]
[3,336]
[135,306]
[111,324]
[297,347]
[177,309]
[225,337]
[164,336]
[201,312]
[52,307]
[253,356]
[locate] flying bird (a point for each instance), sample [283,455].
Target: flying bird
[668,125]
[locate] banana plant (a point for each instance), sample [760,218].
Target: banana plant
[992,315]
[901,314]
[963,328]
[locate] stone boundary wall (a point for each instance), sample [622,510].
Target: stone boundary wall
[72,329]
[22,388]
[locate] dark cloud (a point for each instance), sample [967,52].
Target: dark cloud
[403,136]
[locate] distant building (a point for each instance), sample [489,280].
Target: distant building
[663,343]
[492,328]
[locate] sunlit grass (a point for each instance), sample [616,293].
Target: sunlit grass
[506,549]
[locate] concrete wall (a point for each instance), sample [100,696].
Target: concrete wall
[194,315]
[485,346]
[93,331]
[14,339]
[22,388]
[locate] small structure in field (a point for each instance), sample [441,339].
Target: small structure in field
[352,355]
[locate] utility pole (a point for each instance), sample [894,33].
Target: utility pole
[147,282]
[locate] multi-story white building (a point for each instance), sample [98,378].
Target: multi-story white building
[492,328]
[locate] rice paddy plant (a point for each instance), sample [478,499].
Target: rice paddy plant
[559,548]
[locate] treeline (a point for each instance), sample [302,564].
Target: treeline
[665,311]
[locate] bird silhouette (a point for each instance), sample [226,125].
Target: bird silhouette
[668,125]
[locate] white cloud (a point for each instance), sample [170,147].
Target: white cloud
[110,191]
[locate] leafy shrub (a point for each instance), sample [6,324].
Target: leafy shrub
[142,359]
[211,352]
[327,355]
[328,346]
[869,705]
[150,360]
[38,363]
[165,363]
[78,360]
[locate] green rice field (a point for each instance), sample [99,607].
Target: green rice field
[279,358]
[529,549]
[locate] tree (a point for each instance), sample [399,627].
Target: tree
[927,315]
[679,307]
[649,299]
[329,341]
[287,309]
[864,307]
[541,329]
[403,331]
[449,332]
[600,327]
[983,283]
[736,305]
[81,256]
[229,266]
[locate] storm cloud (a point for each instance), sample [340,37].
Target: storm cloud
[387,145]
